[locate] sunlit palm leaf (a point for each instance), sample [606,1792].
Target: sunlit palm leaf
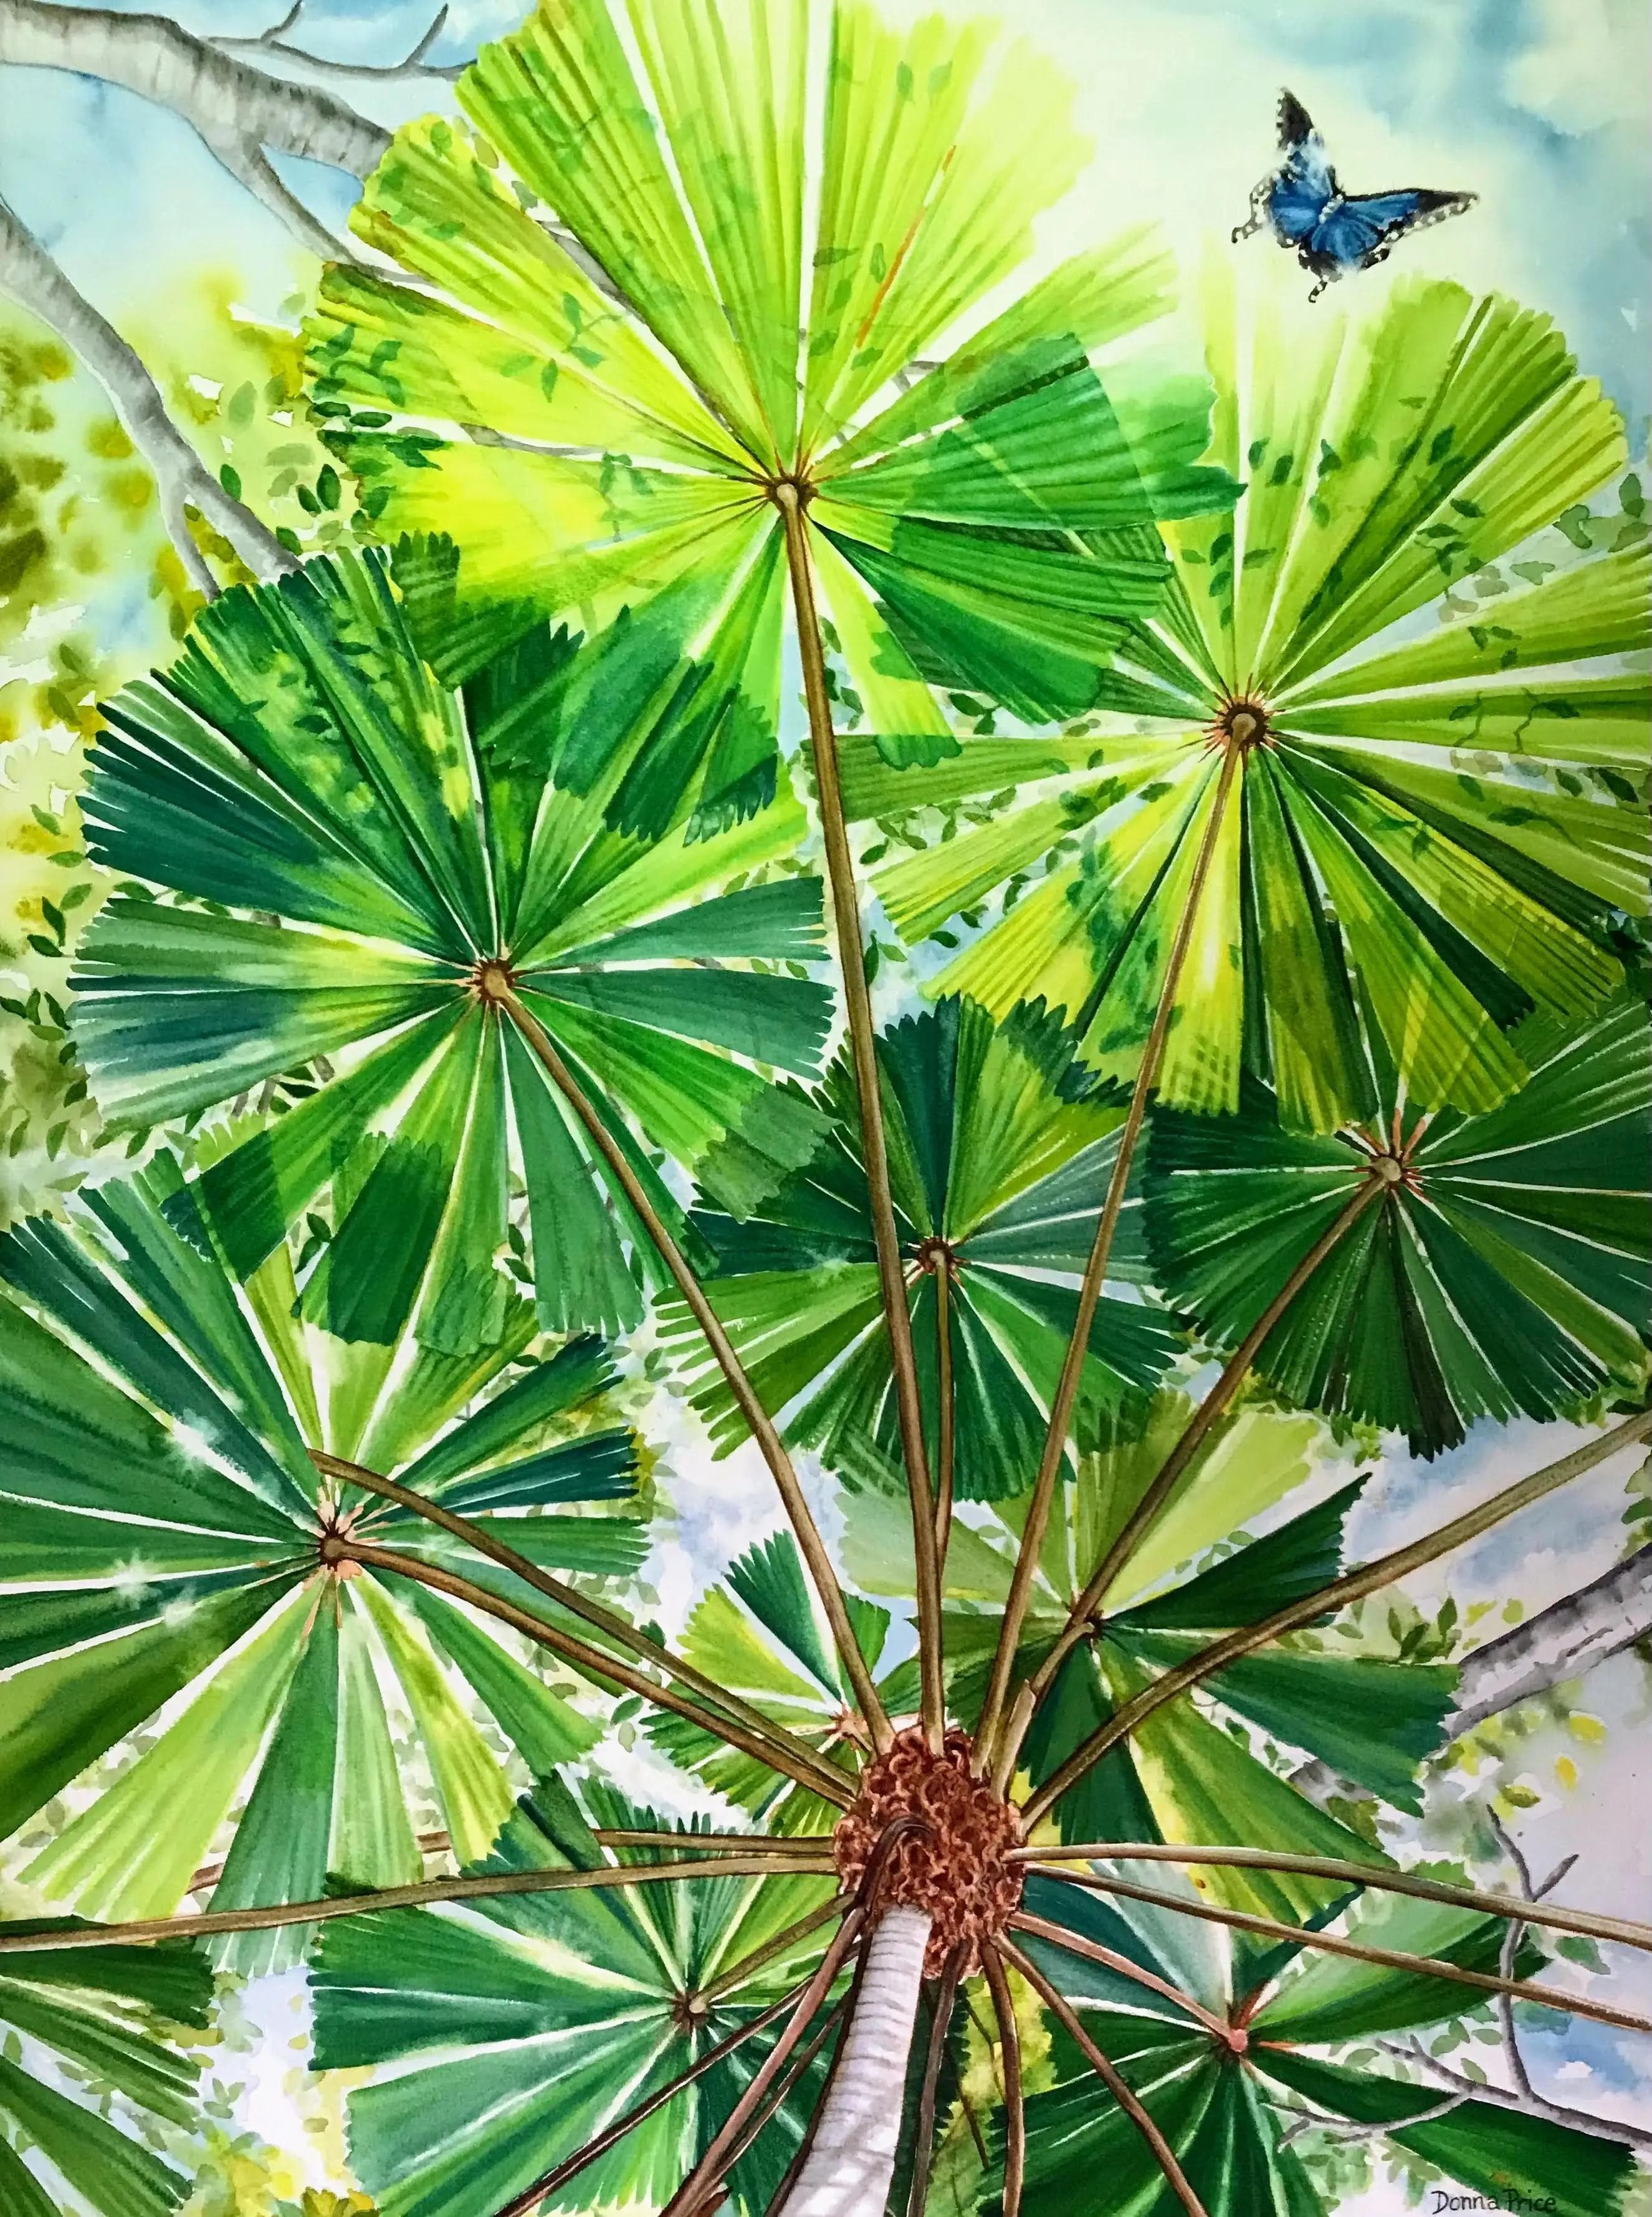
[1508,1271]
[1181,1777]
[1225,2108]
[526,2024]
[1455,816]
[393,839]
[758,1633]
[994,1171]
[106,2014]
[160,1534]
[762,229]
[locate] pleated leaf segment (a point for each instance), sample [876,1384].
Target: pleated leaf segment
[1441,773]
[164,1534]
[415,867]
[760,1633]
[1505,1270]
[118,2018]
[521,2027]
[1182,1774]
[1235,2101]
[672,266]
[997,1177]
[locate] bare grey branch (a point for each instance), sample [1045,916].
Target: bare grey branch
[412,64]
[1599,1621]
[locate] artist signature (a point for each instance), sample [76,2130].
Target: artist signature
[1445,2200]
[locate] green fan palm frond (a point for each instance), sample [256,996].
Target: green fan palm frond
[656,298]
[1182,1776]
[165,1531]
[1452,815]
[525,2025]
[1234,2091]
[116,2015]
[406,858]
[1506,1268]
[998,1179]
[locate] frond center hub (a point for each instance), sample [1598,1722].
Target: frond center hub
[953,1862]
[492,981]
[1243,723]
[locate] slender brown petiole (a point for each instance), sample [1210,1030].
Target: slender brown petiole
[832,1786]
[923,2154]
[611,2135]
[695,2188]
[1015,2101]
[777,2095]
[593,1612]
[863,1044]
[1095,1274]
[1353,1586]
[771,1446]
[947,1442]
[1076,1943]
[1146,1512]
[1383,1880]
[1164,2154]
[800,1843]
[1393,1959]
[484,1887]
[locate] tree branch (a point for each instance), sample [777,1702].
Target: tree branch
[1562,1641]
[34,280]
[1353,1586]
[411,66]
[1605,2128]
[238,111]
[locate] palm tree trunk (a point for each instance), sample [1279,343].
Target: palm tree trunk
[851,2160]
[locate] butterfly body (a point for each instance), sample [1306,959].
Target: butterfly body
[1332,232]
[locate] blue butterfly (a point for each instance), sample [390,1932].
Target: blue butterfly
[1332,231]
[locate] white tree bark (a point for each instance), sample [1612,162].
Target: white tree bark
[851,2162]
[1562,1641]
[31,277]
[242,113]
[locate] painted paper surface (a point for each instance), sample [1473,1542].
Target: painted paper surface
[824,1095]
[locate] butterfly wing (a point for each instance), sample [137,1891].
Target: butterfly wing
[1353,230]
[1304,183]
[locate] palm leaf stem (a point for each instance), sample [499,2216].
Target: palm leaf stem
[481,1887]
[696,2188]
[1015,2106]
[923,2154]
[768,1440]
[831,1785]
[1164,2154]
[777,2095]
[1353,1586]
[800,1843]
[1095,1274]
[593,1612]
[1391,1959]
[748,1967]
[611,2135]
[1620,1929]
[1075,1944]
[777,2200]
[946,1441]
[1146,1512]
[863,1039]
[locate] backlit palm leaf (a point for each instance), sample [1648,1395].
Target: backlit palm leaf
[1452,814]
[1180,1776]
[525,2025]
[106,2013]
[399,845]
[1506,1270]
[1226,2101]
[160,1533]
[764,227]
[996,1175]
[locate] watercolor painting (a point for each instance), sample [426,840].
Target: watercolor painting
[826,1110]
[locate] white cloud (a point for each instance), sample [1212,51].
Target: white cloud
[1589,64]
